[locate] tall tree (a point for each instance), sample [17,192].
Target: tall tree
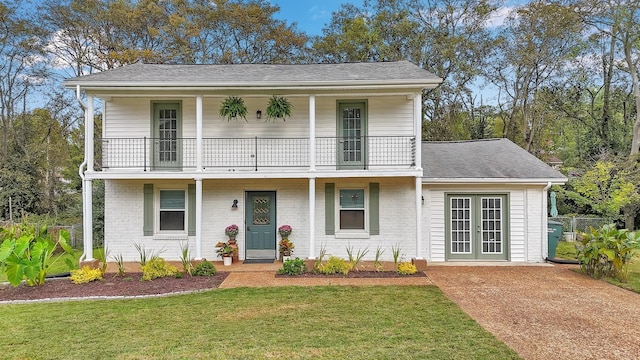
[447,37]
[21,70]
[534,45]
[619,20]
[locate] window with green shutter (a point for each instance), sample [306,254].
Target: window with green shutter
[352,209]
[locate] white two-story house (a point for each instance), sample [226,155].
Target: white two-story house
[347,168]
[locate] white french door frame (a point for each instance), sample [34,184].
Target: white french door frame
[476,226]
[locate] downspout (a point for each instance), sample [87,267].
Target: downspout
[84,161]
[545,232]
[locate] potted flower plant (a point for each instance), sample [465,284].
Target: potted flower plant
[226,251]
[232,231]
[285,231]
[286,246]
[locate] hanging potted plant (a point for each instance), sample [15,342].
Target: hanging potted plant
[278,108]
[232,108]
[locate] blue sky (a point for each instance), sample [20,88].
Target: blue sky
[311,16]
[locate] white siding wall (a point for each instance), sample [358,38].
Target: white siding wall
[525,211]
[124,217]
[130,117]
[537,225]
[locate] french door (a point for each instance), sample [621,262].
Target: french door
[352,131]
[167,130]
[477,227]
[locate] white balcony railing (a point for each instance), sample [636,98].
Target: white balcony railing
[258,153]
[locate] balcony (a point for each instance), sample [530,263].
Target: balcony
[256,154]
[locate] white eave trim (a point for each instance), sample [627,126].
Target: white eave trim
[311,85]
[521,181]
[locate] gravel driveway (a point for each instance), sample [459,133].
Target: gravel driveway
[546,312]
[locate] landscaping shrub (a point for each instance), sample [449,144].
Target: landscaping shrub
[607,251]
[157,268]
[26,251]
[85,275]
[293,267]
[205,268]
[334,265]
[406,268]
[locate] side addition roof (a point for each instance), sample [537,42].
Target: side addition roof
[484,161]
[399,73]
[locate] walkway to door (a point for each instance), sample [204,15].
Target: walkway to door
[546,312]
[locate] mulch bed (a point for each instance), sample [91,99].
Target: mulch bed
[356,275]
[129,285]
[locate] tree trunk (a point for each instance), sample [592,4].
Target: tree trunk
[635,142]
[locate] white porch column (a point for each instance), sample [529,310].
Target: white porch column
[88,134]
[312,217]
[198,218]
[312,132]
[417,119]
[417,122]
[198,133]
[87,190]
[419,218]
[87,220]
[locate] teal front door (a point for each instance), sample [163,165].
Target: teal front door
[261,225]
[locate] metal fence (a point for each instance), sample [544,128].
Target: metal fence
[75,233]
[580,223]
[258,152]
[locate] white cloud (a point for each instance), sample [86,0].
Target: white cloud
[499,17]
[319,13]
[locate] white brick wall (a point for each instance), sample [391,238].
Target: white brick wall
[124,216]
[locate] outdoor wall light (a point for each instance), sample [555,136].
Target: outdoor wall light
[235,204]
[423,200]
[258,114]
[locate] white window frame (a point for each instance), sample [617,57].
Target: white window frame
[351,233]
[172,234]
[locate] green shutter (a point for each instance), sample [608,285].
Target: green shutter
[191,211]
[329,208]
[374,208]
[148,210]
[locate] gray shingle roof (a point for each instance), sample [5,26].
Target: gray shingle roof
[399,72]
[483,159]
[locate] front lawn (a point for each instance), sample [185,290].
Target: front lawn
[289,322]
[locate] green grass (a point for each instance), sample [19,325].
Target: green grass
[287,322]
[566,250]
[633,283]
